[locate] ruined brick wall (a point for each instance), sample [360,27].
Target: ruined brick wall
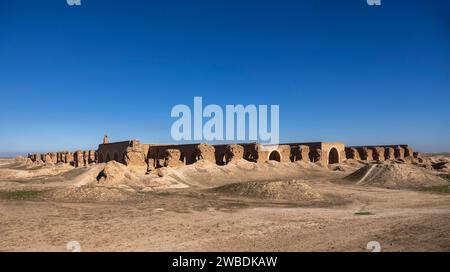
[172,158]
[205,152]
[300,153]
[402,153]
[134,154]
[378,153]
[113,151]
[352,153]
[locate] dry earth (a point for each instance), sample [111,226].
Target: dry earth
[238,207]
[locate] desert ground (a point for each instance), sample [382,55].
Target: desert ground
[241,206]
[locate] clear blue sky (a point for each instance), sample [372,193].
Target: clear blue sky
[340,70]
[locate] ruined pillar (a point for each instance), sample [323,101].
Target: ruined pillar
[285,152]
[204,152]
[92,157]
[78,158]
[399,153]
[234,152]
[86,157]
[408,151]
[172,158]
[69,158]
[134,154]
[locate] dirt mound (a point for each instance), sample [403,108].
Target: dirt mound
[116,173]
[86,194]
[24,172]
[84,175]
[395,175]
[204,174]
[277,190]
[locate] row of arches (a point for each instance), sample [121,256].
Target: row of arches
[333,156]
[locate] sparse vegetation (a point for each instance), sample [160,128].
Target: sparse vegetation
[20,195]
[439,189]
[363,213]
[445,176]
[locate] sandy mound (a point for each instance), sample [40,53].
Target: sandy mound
[204,174]
[116,173]
[86,194]
[395,175]
[84,175]
[276,190]
[27,173]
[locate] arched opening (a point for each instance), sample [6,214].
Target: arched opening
[100,157]
[333,156]
[108,158]
[275,156]
[116,157]
[222,159]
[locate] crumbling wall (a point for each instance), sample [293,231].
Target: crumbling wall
[70,158]
[92,156]
[409,154]
[285,152]
[78,158]
[134,154]
[204,152]
[234,152]
[365,153]
[316,155]
[251,152]
[172,158]
[378,153]
[389,153]
[300,153]
[399,153]
[304,153]
[418,157]
[352,153]
[47,158]
[85,157]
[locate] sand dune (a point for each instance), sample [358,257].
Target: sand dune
[395,175]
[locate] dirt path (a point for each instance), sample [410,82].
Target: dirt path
[399,221]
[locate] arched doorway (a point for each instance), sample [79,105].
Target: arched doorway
[333,156]
[100,157]
[108,158]
[275,156]
[116,157]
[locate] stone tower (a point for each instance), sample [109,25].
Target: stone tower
[105,139]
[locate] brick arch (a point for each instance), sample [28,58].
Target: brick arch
[274,156]
[333,155]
